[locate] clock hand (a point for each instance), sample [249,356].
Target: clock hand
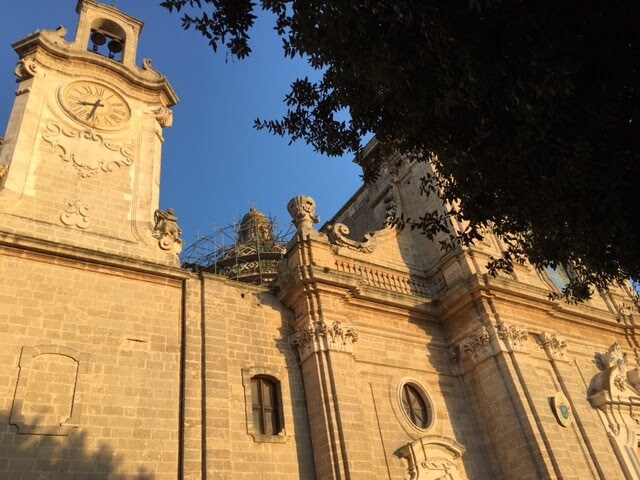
[93,110]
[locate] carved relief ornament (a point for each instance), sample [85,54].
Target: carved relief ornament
[478,345]
[4,169]
[167,231]
[76,215]
[554,345]
[322,336]
[615,378]
[433,457]
[514,337]
[615,394]
[303,211]
[55,135]
[164,116]
[338,232]
[25,69]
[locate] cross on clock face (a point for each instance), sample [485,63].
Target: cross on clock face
[95,105]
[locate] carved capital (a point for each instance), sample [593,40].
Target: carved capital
[454,355]
[514,338]
[167,231]
[303,211]
[478,345]
[554,345]
[76,215]
[322,336]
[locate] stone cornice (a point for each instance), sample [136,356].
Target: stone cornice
[79,254]
[146,78]
[528,296]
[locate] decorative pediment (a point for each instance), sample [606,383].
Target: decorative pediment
[615,390]
[433,457]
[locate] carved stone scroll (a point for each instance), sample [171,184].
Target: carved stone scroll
[60,139]
[25,69]
[322,336]
[338,232]
[76,215]
[150,71]
[167,231]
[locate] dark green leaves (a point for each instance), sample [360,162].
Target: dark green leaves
[531,109]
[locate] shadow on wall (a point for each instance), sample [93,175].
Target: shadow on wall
[51,457]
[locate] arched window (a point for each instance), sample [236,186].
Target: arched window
[415,406]
[265,406]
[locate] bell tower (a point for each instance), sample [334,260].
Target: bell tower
[80,164]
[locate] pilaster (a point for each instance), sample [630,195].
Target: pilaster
[325,341]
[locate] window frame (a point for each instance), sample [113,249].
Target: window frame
[404,418]
[273,376]
[265,406]
[408,405]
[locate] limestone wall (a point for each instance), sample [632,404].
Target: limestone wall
[90,369]
[245,333]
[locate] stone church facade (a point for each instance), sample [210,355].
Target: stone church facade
[372,355]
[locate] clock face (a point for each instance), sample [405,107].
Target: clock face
[95,105]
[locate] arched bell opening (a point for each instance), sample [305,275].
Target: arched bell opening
[107,38]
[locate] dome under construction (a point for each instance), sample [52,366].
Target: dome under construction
[248,252]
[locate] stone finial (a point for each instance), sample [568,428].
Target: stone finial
[167,231]
[303,211]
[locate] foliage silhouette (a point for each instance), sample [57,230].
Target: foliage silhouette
[529,113]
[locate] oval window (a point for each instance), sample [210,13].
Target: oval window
[415,406]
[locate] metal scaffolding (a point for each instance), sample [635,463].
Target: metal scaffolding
[247,251]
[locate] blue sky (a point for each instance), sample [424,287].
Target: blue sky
[215,165]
